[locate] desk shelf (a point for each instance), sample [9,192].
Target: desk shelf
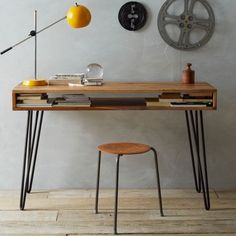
[119,88]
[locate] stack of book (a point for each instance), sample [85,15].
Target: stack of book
[33,100]
[75,100]
[164,100]
[65,79]
[151,102]
[190,104]
[194,100]
[92,81]
[179,100]
[74,80]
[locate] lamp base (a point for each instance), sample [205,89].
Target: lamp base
[41,82]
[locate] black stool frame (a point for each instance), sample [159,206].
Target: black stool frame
[117,186]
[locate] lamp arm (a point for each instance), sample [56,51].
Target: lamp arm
[32,34]
[49,26]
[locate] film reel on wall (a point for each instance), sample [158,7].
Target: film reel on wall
[186,24]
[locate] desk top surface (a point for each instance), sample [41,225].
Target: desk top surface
[116,87]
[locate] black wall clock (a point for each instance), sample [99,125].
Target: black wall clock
[132,16]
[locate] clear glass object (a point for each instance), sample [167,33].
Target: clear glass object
[94,71]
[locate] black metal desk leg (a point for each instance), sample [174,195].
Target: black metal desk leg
[34,151]
[31,149]
[23,182]
[196,137]
[196,178]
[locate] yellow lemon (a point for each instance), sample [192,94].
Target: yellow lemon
[78,16]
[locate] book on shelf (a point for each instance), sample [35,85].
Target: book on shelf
[206,100]
[30,96]
[71,105]
[33,101]
[151,101]
[55,95]
[197,95]
[23,105]
[159,104]
[186,100]
[30,100]
[78,96]
[72,100]
[67,97]
[41,100]
[190,97]
[118,101]
[154,102]
[121,95]
[170,97]
[63,102]
[191,104]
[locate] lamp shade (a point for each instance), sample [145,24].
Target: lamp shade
[78,16]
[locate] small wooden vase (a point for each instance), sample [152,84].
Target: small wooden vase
[188,75]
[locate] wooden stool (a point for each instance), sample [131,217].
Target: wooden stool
[121,149]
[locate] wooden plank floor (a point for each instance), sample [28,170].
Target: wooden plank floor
[71,213]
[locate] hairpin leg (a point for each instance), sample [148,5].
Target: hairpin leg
[31,150]
[195,128]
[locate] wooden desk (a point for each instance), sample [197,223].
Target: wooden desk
[121,88]
[194,120]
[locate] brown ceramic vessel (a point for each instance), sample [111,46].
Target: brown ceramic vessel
[188,75]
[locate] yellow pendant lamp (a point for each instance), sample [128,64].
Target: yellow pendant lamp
[78,16]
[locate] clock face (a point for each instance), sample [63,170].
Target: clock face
[132,16]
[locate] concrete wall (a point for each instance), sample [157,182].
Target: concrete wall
[67,154]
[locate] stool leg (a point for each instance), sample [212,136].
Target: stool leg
[158,181]
[98,180]
[116,195]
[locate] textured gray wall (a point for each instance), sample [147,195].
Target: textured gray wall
[67,155]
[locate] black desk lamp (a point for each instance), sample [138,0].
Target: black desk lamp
[78,16]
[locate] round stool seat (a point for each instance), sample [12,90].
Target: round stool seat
[124,148]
